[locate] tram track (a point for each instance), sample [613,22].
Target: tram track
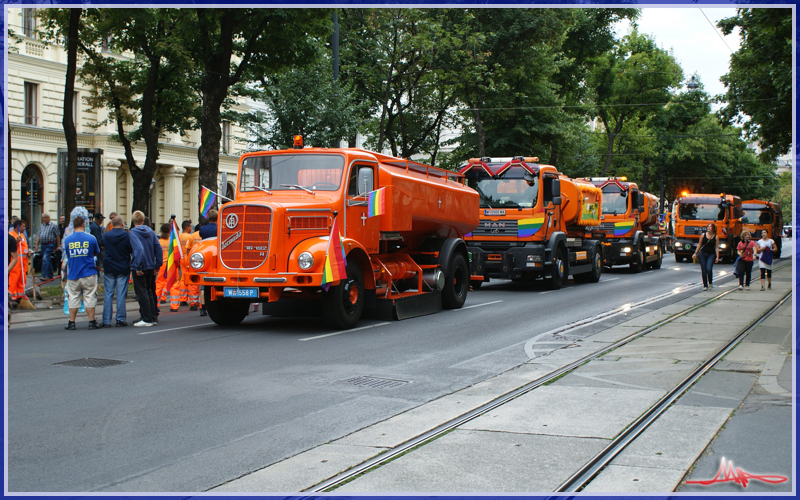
[393,453]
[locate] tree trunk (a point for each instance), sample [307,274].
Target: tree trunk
[554,149]
[68,122]
[610,149]
[480,131]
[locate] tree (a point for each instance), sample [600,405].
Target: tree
[304,101]
[784,196]
[631,82]
[759,80]
[233,47]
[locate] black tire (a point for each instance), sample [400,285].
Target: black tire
[592,276]
[456,283]
[638,264]
[560,267]
[343,304]
[660,259]
[779,245]
[475,284]
[225,311]
[678,258]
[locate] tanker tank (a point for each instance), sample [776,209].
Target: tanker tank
[581,202]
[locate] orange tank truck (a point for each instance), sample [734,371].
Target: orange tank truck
[532,223]
[766,216]
[629,226]
[272,241]
[693,212]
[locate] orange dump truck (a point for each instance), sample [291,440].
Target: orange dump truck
[532,223]
[766,216]
[272,241]
[629,226]
[692,213]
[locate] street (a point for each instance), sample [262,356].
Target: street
[196,405]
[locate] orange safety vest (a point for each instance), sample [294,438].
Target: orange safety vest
[16,276]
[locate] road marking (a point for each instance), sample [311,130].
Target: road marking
[550,291]
[339,333]
[609,279]
[479,305]
[176,328]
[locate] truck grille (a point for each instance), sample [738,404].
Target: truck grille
[607,226]
[694,230]
[496,228]
[244,236]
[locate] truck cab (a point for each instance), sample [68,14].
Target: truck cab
[766,216]
[628,225]
[531,223]
[692,215]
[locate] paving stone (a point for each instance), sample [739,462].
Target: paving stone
[749,352]
[473,461]
[654,374]
[301,471]
[684,331]
[768,335]
[617,479]
[678,349]
[568,411]
[720,389]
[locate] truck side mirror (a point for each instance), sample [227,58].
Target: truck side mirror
[556,200]
[641,200]
[365,181]
[634,199]
[556,189]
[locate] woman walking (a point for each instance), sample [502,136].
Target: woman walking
[708,254]
[746,249]
[765,248]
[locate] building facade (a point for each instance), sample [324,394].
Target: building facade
[36,78]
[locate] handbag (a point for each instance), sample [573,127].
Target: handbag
[736,270]
[766,256]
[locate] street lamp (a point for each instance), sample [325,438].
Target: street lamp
[693,85]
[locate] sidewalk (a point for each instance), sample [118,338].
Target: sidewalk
[535,442]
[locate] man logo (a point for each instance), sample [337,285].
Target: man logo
[231,221]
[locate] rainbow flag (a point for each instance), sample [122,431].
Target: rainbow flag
[528,227]
[377,202]
[174,256]
[621,228]
[335,262]
[207,198]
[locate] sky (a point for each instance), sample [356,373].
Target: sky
[696,45]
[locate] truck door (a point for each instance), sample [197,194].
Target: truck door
[552,217]
[361,180]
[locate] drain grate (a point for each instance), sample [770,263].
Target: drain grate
[732,366]
[375,382]
[92,362]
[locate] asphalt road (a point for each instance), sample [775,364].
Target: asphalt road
[197,404]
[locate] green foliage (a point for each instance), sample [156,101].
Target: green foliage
[760,78]
[305,101]
[784,196]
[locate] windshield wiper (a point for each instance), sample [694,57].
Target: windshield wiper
[262,189]
[298,186]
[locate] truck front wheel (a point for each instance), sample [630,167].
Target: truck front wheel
[456,283]
[659,260]
[225,311]
[637,265]
[343,304]
[559,274]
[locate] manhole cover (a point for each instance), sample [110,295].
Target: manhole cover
[378,383]
[92,362]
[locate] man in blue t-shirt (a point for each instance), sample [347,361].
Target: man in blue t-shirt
[81,272]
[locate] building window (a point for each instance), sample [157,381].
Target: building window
[29,22]
[31,94]
[226,137]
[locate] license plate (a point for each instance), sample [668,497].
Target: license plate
[241,293]
[494,212]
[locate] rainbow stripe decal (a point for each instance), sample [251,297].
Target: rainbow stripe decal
[207,198]
[335,262]
[528,227]
[621,228]
[377,202]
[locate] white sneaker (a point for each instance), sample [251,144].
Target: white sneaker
[710,286]
[704,289]
[741,287]
[143,323]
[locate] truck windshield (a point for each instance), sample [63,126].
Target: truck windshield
[700,211]
[516,188]
[285,172]
[757,216]
[614,202]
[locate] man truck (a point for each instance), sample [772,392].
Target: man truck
[532,223]
[766,216]
[273,240]
[628,226]
[694,212]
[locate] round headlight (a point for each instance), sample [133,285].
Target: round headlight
[197,261]
[305,260]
